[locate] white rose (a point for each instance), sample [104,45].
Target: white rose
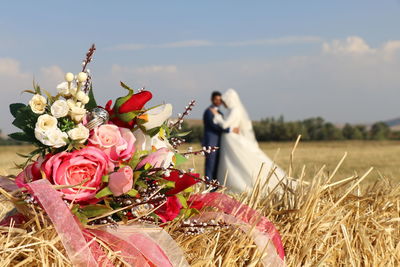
[63,89]
[59,109]
[46,122]
[51,137]
[38,104]
[157,116]
[77,113]
[79,133]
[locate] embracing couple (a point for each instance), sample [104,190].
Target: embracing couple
[239,162]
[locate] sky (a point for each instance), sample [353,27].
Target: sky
[300,59]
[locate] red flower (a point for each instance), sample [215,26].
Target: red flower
[126,108]
[181,183]
[170,210]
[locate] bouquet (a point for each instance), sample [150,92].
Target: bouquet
[100,172]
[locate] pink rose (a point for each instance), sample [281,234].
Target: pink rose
[161,158]
[117,142]
[121,181]
[73,168]
[106,136]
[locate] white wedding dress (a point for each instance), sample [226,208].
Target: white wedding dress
[241,159]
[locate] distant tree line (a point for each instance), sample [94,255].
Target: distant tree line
[6,141]
[277,129]
[312,129]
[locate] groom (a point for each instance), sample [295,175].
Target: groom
[212,135]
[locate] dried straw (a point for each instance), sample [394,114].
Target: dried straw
[323,222]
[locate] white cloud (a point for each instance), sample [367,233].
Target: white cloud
[352,45]
[355,45]
[117,69]
[286,40]
[11,68]
[391,49]
[51,76]
[188,43]
[179,44]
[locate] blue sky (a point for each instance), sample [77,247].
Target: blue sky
[336,59]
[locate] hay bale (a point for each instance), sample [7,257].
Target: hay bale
[321,223]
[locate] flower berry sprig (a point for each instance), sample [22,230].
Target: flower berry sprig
[181,116]
[196,227]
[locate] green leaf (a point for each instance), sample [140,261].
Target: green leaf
[153,132]
[190,212]
[132,192]
[167,184]
[190,189]
[147,166]
[91,211]
[105,178]
[25,119]
[136,158]
[29,91]
[37,88]
[179,159]
[20,136]
[183,201]
[141,184]
[129,116]
[126,86]
[92,101]
[14,108]
[104,192]
[49,97]
[182,134]
[82,218]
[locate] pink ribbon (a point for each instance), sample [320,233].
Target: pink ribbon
[7,184]
[241,212]
[138,245]
[64,222]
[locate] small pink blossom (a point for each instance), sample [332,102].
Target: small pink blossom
[121,181]
[161,158]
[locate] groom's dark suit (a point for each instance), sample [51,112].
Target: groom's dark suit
[212,137]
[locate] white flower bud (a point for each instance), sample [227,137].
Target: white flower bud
[59,109]
[80,95]
[85,100]
[79,133]
[82,77]
[157,116]
[69,77]
[38,104]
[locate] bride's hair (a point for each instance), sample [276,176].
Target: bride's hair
[232,101]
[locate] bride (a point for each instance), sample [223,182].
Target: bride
[241,159]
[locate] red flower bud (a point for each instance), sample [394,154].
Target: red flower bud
[126,108]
